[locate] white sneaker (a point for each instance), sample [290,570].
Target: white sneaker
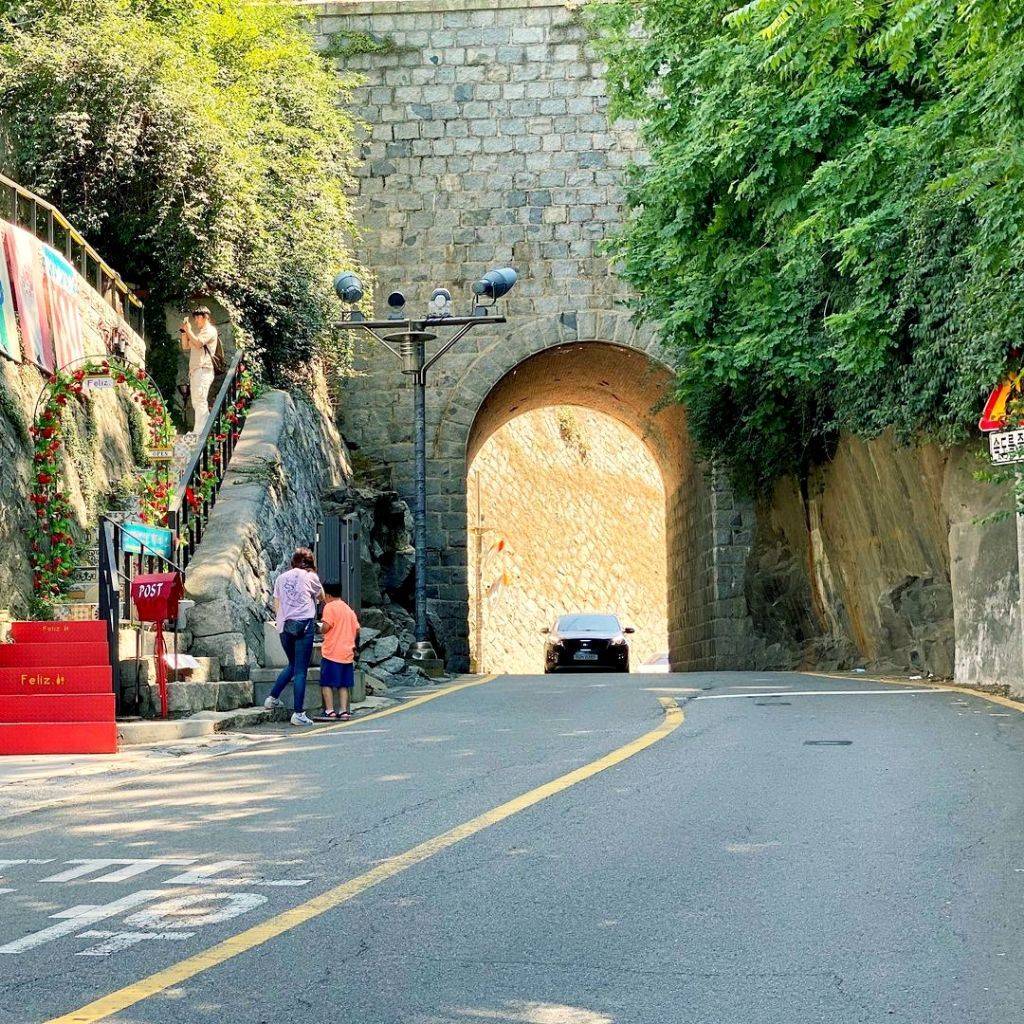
[300,718]
[273,702]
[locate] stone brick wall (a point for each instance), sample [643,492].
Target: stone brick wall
[599,547]
[488,144]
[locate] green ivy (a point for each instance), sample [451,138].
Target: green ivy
[201,145]
[345,43]
[830,228]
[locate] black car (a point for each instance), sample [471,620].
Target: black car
[587,641]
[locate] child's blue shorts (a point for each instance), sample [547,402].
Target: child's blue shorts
[337,674]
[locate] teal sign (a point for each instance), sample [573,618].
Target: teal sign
[139,539]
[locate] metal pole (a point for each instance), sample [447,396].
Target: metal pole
[479,581]
[1018,508]
[420,513]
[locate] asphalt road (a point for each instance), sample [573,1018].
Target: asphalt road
[827,857]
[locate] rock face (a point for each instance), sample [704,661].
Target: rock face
[387,578]
[269,504]
[98,440]
[882,559]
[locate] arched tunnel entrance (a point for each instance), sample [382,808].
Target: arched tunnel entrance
[581,488]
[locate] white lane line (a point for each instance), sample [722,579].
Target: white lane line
[754,687]
[821,693]
[672,689]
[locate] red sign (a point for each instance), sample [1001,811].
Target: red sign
[156,596]
[995,416]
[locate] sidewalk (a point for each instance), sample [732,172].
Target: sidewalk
[30,783]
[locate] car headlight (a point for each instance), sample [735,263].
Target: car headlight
[618,641]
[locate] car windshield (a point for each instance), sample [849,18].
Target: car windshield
[588,624]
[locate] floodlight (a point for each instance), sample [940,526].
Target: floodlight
[496,283]
[441,303]
[348,287]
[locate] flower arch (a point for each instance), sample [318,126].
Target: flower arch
[55,552]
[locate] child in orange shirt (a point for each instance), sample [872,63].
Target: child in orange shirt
[337,669]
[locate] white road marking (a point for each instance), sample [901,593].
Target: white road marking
[820,693]
[12,863]
[760,687]
[80,917]
[193,910]
[2,891]
[205,876]
[118,941]
[128,869]
[672,689]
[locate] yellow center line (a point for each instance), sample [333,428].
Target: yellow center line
[102,1008]
[375,716]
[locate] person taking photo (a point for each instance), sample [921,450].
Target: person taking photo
[200,339]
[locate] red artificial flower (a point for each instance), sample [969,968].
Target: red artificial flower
[44,478]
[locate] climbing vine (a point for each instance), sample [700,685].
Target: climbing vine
[55,549]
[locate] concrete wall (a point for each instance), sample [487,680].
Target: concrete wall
[489,144]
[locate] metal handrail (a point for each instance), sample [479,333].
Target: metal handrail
[117,567]
[72,237]
[210,454]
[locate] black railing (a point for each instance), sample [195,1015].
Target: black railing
[117,569]
[200,482]
[27,210]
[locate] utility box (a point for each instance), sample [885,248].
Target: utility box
[339,555]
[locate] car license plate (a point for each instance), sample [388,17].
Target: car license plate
[585,656]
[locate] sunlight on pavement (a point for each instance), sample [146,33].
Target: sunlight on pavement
[539,1013]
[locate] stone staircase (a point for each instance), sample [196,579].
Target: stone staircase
[189,690]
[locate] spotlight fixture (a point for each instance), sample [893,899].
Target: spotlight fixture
[440,303]
[493,285]
[349,288]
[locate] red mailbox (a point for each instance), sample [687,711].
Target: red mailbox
[156,597]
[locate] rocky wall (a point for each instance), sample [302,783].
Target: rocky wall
[882,558]
[98,440]
[288,455]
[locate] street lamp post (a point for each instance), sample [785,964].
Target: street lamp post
[407,339]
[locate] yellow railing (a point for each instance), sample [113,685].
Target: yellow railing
[27,210]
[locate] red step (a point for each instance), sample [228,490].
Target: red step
[59,738]
[65,679]
[46,655]
[58,707]
[46,632]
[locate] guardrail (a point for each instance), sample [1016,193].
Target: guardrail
[27,210]
[197,491]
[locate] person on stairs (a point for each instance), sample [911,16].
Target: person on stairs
[297,593]
[337,670]
[202,343]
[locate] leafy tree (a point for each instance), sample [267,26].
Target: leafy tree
[830,226]
[199,144]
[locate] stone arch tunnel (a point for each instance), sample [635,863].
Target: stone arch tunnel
[489,145]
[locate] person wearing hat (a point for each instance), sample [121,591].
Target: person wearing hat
[200,339]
